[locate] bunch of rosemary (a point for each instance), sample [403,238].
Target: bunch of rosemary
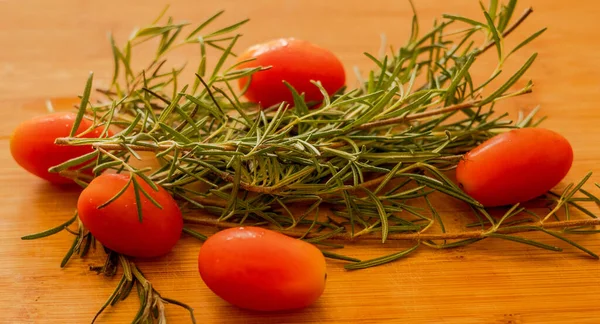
[363,164]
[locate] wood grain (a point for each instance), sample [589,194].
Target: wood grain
[50,46]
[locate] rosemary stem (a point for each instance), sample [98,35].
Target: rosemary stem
[435,112]
[205,221]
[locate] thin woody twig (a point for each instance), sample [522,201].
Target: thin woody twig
[213,222]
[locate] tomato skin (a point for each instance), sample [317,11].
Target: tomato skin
[295,61]
[515,166]
[117,225]
[32,144]
[263,270]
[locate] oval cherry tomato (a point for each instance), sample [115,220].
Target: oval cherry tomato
[259,269]
[515,166]
[117,225]
[32,144]
[295,61]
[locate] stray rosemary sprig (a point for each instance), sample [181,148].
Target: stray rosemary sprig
[152,304]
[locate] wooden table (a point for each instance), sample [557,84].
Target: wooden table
[48,48]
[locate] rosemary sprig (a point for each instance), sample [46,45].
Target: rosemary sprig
[372,155]
[386,135]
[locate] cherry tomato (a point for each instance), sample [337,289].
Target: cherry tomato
[515,166]
[32,144]
[295,61]
[117,224]
[263,270]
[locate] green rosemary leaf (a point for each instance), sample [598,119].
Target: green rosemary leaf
[558,236]
[508,214]
[582,209]
[495,34]
[568,193]
[167,44]
[582,231]
[116,54]
[194,234]
[325,236]
[312,225]
[591,196]
[71,250]
[106,165]
[110,299]
[180,304]
[136,189]
[132,152]
[51,231]
[142,295]
[527,120]
[437,185]
[204,24]
[492,8]
[147,180]
[513,79]
[458,78]
[231,204]
[227,29]
[527,41]
[456,244]
[157,30]
[435,214]
[414,30]
[83,105]
[336,256]
[175,133]
[116,196]
[375,60]
[506,14]
[224,56]
[215,111]
[382,214]
[524,241]
[83,251]
[191,201]
[131,126]
[300,107]
[73,162]
[174,164]
[465,20]
[511,223]
[388,178]
[381,260]
[126,267]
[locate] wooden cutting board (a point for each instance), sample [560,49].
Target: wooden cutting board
[48,48]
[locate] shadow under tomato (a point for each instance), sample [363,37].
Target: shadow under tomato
[312,313]
[45,205]
[56,198]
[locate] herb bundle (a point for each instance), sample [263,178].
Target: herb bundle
[362,164]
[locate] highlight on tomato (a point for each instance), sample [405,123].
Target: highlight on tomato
[116,222]
[32,144]
[515,166]
[262,270]
[292,60]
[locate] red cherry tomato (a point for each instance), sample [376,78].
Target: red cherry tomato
[515,166]
[295,61]
[32,144]
[117,225]
[263,270]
